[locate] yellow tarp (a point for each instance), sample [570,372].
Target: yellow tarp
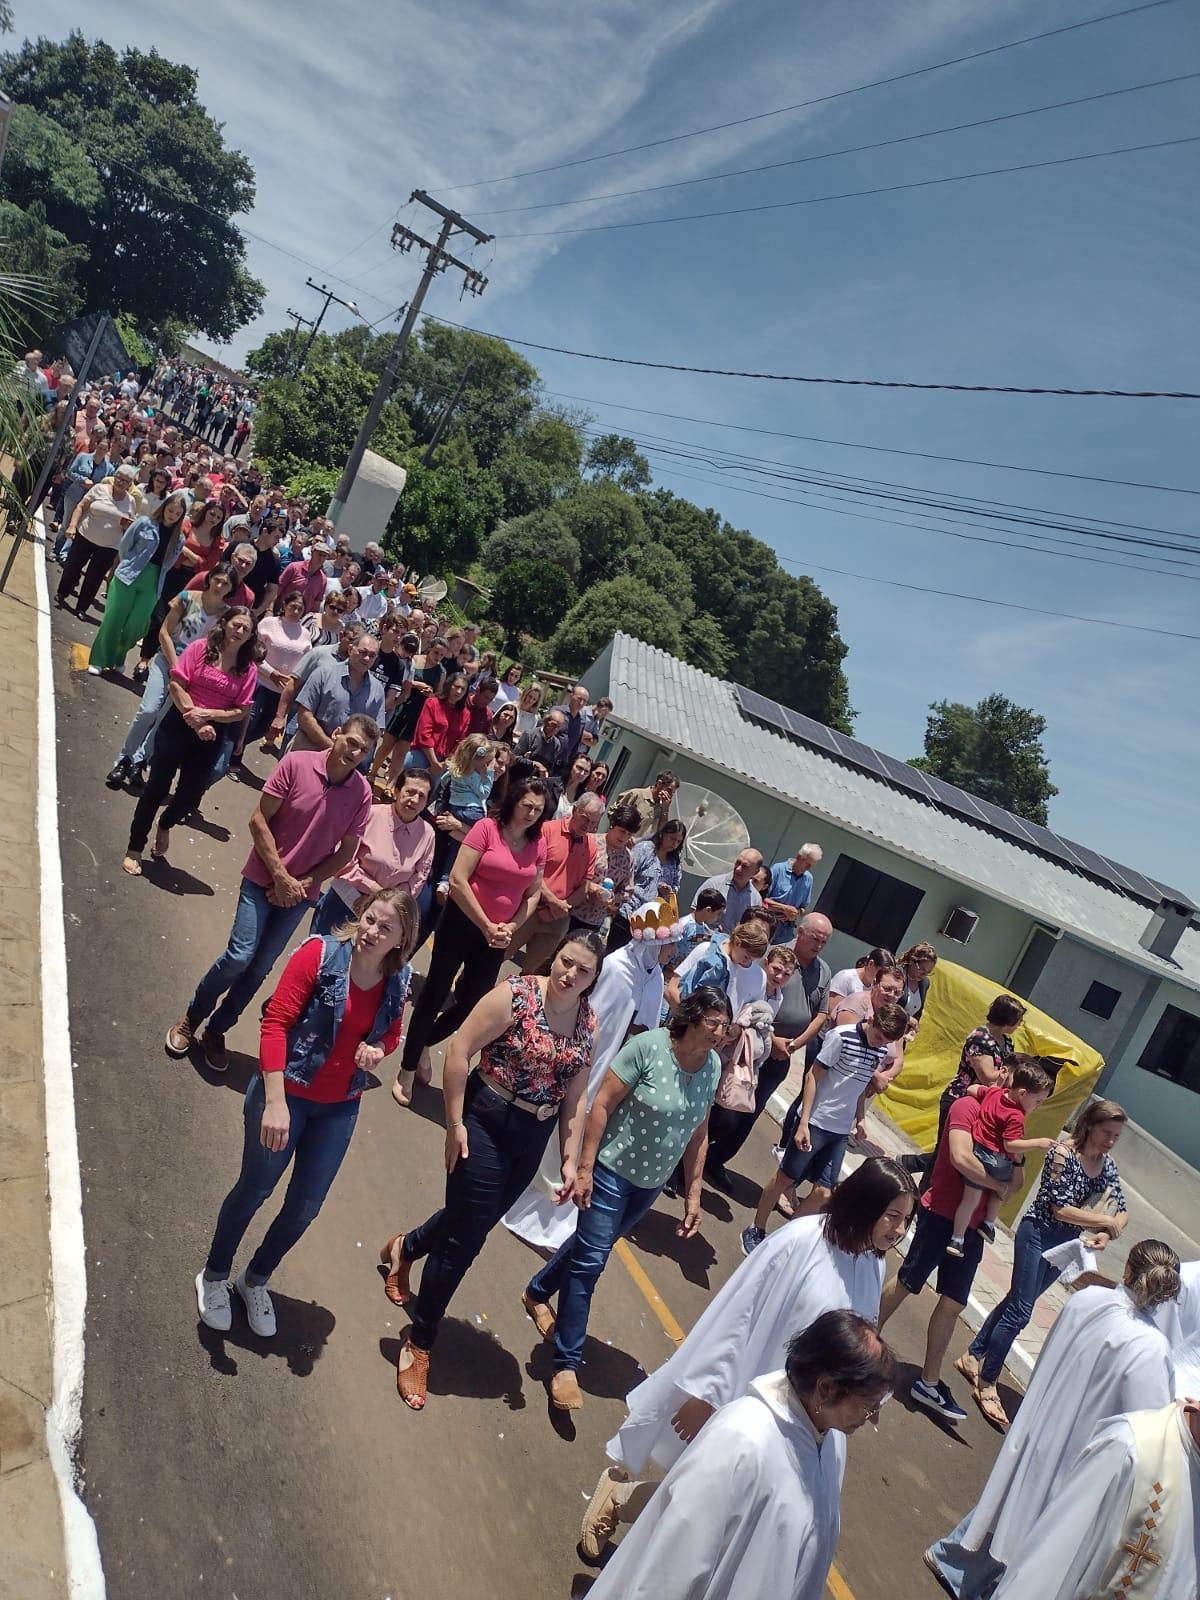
[957,1002]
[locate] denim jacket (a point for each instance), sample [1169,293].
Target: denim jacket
[138,543]
[310,1040]
[711,969]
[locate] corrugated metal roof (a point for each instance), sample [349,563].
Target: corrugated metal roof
[687,710]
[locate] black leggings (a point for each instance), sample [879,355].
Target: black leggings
[176,750]
[87,561]
[175,581]
[505,1148]
[457,944]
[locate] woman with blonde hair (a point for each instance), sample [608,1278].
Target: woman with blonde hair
[529,710]
[146,552]
[335,1014]
[918,962]
[96,527]
[1079,1196]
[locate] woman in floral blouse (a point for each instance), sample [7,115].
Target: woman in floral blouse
[1080,1193]
[533,1037]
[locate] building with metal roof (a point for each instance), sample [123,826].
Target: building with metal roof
[1111,952]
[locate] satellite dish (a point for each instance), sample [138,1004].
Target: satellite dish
[432,589]
[715,831]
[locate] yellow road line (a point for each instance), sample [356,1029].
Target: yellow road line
[838,1588]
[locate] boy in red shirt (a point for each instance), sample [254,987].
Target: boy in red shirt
[999,1137]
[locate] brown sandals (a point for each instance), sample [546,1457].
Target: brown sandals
[396,1285]
[412,1375]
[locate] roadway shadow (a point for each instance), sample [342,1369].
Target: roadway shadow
[174,880]
[428,1103]
[907,1375]
[199,823]
[714,1204]
[608,1372]
[303,1330]
[469,1362]
[241,1069]
[742,1191]
[655,1234]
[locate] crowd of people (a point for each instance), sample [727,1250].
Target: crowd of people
[423,792]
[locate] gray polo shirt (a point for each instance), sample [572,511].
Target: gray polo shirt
[805,994]
[331,699]
[737,901]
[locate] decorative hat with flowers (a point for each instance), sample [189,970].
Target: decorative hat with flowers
[657,921]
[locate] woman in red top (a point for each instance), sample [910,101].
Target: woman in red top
[210,686]
[336,1013]
[442,724]
[533,1037]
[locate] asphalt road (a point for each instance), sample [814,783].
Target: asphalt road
[228,1466]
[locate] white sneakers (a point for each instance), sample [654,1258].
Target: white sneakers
[212,1302]
[216,1312]
[260,1310]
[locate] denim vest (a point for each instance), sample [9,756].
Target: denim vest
[310,1040]
[138,543]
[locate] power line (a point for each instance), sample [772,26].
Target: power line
[858,194]
[847,150]
[878,449]
[853,383]
[817,100]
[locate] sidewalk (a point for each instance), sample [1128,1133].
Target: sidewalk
[32,1560]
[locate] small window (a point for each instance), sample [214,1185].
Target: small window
[868,904]
[1173,1049]
[1100,1000]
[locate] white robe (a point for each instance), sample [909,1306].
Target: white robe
[628,990]
[783,1286]
[751,1510]
[1101,1358]
[1070,1550]
[1189,1302]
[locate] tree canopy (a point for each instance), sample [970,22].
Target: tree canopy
[567,541]
[127,166]
[994,750]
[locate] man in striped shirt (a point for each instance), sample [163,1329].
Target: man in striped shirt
[823,1115]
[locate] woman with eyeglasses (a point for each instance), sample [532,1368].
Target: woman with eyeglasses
[650,1112]
[918,962]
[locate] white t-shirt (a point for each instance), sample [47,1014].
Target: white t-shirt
[846,982]
[106,517]
[850,1063]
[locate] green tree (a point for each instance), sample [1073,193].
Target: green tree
[705,645]
[607,523]
[666,573]
[621,604]
[794,653]
[555,441]
[615,457]
[440,520]
[30,248]
[530,597]
[314,484]
[541,536]
[994,750]
[500,395]
[311,419]
[527,485]
[158,219]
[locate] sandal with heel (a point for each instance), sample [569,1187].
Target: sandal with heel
[396,1285]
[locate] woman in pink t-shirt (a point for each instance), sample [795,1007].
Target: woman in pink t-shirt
[494,885]
[286,641]
[211,685]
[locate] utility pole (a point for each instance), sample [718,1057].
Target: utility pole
[437,259]
[329,295]
[443,422]
[295,317]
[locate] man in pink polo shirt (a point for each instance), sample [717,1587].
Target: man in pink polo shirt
[308,576]
[305,828]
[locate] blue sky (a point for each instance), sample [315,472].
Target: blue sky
[1076,275]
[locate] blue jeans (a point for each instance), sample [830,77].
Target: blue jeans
[331,911]
[259,935]
[264,707]
[1031,1277]
[139,741]
[573,1271]
[318,1138]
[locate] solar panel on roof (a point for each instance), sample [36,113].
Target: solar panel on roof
[1168,893]
[810,730]
[904,776]
[997,817]
[1049,843]
[953,798]
[758,706]
[865,757]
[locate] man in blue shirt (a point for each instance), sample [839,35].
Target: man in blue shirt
[737,887]
[337,690]
[791,891]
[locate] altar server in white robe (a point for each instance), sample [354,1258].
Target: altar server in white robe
[1189,1302]
[821,1263]
[629,991]
[1106,1354]
[1125,1520]
[752,1509]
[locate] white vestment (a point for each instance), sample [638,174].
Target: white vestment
[1189,1302]
[1125,1520]
[628,990]
[1102,1357]
[783,1286]
[751,1510]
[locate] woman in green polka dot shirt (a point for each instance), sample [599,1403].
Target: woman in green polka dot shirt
[651,1109]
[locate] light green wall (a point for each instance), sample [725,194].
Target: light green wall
[1165,1109]
[777,828]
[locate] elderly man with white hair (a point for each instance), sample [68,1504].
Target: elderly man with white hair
[791,891]
[568,880]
